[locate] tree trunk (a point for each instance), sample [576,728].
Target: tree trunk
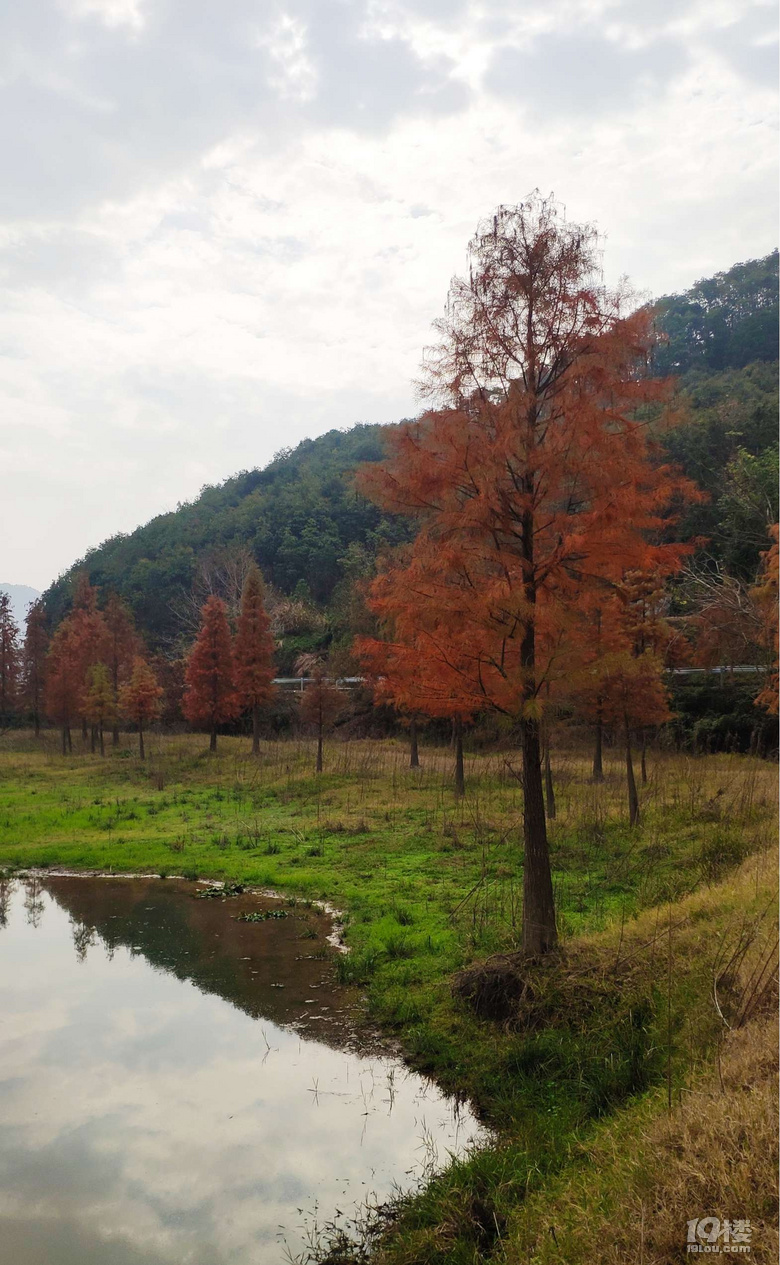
[539,930]
[115,683]
[141,751]
[633,798]
[213,739]
[255,730]
[540,934]
[598,750]
[643,760]
[100,736]
[84,734]
[92,739]
[414,757]
[64,739]
[37,723]
[69,737]
[549,789]
[460,781]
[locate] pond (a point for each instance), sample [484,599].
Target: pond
[181,1086]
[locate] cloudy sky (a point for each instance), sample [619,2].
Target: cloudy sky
[225,226]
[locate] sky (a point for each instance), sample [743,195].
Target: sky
[228,226]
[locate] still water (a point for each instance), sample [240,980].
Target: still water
[178,1087]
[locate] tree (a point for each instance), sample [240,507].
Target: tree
[321,704]
[210,694]
[122,646]
[534,479]
[90,638]
[408,670]
[64,680]
[36,644]
[253,652]
[98,703]
[9,660]
[139,698]
[765,598]
[633,696]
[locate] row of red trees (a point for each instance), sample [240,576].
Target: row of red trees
[93,671]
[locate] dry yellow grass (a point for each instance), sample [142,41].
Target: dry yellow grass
[631,1189]
[649,1172]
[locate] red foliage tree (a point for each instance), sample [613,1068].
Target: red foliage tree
[253,652]
[122,646]
[210,694]
[9,660]
[412,669]
[64,680]
[139,698]
[322,704]
[89,636]
[36,644]
[534,479]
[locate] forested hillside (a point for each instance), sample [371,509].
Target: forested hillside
[310,531]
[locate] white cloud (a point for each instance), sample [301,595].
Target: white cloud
[221,232]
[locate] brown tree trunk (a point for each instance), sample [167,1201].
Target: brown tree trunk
[598,750]
[549,789]
[64,739]
[115,683]
[633,798]
[460,780]
[414,757]
[84,734]
[213,739]
[141,751]
[100,736]
[92,739]
[255,730]
[539,930]
[69,737]
[37,724]
[643,759]
[540,934]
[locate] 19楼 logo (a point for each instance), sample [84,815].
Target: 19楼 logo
[710,1234]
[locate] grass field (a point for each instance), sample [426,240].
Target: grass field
[622,1021]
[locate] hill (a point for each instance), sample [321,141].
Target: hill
[21,595]
[309,530]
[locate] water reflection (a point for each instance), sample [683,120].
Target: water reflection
[164,1101]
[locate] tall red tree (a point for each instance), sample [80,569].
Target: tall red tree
[64,681]
[533,479]
[36,644]
[9,660]
[139,699]
[122,646]
[89,634]
[253,652]
[210,696]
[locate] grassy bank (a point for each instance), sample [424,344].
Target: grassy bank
[624,1021]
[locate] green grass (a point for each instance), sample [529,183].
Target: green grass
[428,883]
